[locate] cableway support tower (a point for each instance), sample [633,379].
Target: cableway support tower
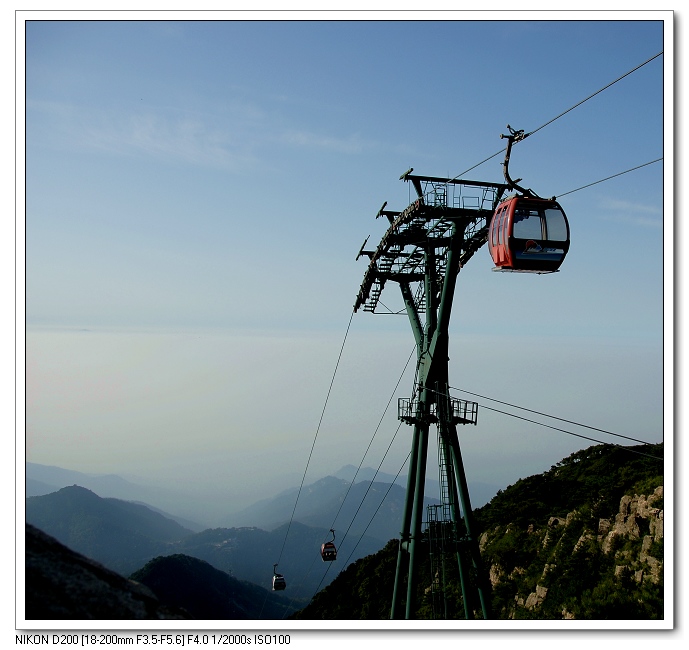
[423,250]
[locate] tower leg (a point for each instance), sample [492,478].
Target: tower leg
[417,519]
[405,533]
[453,500]
[483,584]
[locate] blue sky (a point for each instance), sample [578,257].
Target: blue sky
[196,195]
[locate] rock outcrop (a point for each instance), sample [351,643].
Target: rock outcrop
[535,563]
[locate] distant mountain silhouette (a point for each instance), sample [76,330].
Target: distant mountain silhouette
[350,472]
[270,513]
[124,536]
[44,479]
[249,553]
[315,503]
[481,493]
[364,508]
[57,477]
[193,585]
[36,488]
[118,534]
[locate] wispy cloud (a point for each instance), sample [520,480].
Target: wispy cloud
[231,139]
[186,140]
[632,207]
[353,144]
[157,134]
[650,216]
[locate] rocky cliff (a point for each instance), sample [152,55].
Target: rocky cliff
[581,565]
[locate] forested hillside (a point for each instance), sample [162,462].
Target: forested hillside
[583,540]
[192,585]
[121,535]
[124,536]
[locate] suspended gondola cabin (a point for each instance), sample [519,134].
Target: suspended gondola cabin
[528,234]
[278,580]
[328,550]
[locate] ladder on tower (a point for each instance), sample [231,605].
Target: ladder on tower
[436,551]
[445,475]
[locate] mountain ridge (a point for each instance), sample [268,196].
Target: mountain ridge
[46,479]
[123,536]
[188,511]
[195,586]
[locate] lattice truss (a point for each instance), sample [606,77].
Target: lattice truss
[427,224]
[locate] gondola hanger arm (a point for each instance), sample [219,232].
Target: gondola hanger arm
[514,137]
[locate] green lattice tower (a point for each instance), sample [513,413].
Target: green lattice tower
[423,251]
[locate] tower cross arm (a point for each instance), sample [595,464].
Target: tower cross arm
[417,180]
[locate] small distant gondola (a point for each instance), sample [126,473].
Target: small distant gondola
[328,550]
[527,233]
[278,580]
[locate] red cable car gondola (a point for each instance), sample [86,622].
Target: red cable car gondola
[527,233]
[328,550]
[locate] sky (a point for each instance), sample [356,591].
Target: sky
[197,193]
